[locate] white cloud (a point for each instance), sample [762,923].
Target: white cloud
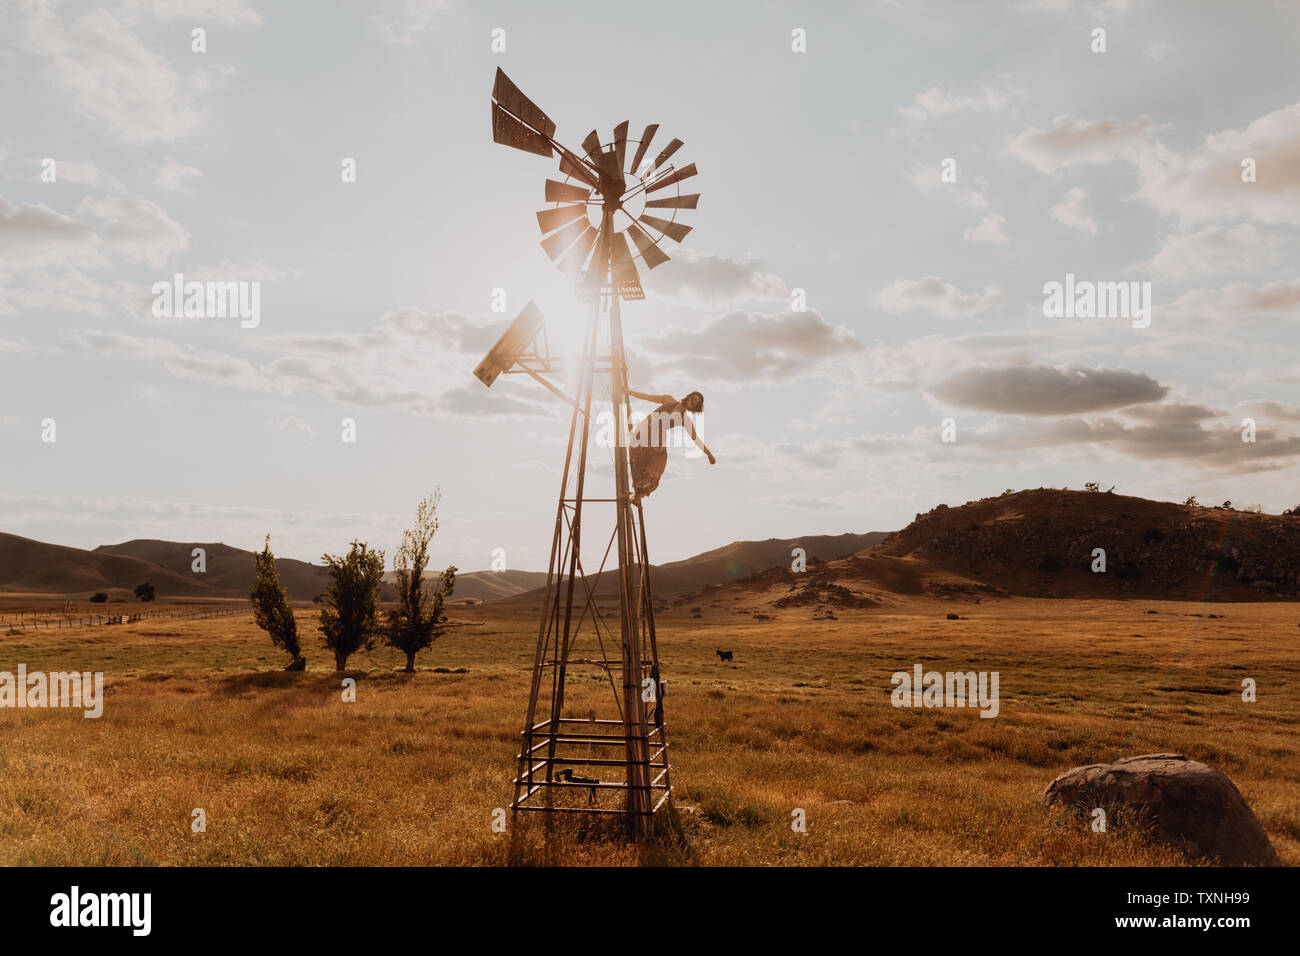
[176,176]
[32,234]
[294,424]
[112,75]
[234,12]
[136,229]
[935,295]
[405,363]
[1237,303]
[1044,390]
[700,280]
[935,102]
[182,362]
[927,179]
[1217,250]
[1075,142]
[989,230]
[750,346]
[64,289]
[227,271]
[403,21]
[1205,183]
[84,174]
[1072,211]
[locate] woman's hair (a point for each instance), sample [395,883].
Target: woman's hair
[698,395]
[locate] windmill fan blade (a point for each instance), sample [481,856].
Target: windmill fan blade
[552,219]
[673,230]
[511,99]
[625,273]
[576,256]
[671,148]
[620,143]
[607,163]
[508,131]
[627,282]
[565,192]
[574,167]
[675,202]
[652,254]
[644,145]
[591,145]
[557,243]
[684,173]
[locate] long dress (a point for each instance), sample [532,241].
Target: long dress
[649,451]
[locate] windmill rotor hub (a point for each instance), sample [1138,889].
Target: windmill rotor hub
[644,187]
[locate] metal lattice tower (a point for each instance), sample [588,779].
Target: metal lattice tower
[594,739]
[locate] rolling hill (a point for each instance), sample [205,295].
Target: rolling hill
[33,566]
[1045,543]
[27,565]
[229,570]
[733,561]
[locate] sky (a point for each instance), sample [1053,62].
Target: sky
[887,189]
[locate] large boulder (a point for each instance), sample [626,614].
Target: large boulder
[1185,801]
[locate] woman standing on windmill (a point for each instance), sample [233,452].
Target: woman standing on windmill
[649,440]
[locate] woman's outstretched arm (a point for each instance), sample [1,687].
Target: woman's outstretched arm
[690,430]
[645,396]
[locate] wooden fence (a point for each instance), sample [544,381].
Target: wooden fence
[26,622]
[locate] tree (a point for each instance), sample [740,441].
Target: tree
[144,591]
[413,624]
[349,620]
[99,597]
[271,608]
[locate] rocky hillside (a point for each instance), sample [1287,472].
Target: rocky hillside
[1042,542]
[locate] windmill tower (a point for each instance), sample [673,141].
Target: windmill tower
[594,739]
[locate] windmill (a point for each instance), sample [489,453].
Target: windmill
[615,196]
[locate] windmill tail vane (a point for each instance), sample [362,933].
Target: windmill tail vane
[613,207]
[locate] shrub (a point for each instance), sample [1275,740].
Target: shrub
[413,624]
[350,619]
[1227,564]
[99,597]
[272,610]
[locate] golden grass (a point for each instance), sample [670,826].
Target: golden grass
[198,716]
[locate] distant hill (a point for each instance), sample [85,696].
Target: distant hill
[27,565]
[732,562]
[488,585]
[1041,543]
[229,570]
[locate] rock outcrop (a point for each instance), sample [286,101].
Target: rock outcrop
[1185,802]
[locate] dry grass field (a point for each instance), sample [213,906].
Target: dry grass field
[198,715]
